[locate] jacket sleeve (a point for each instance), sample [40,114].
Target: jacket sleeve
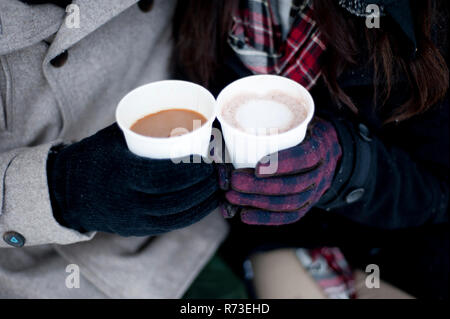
[382,185]
[24,199]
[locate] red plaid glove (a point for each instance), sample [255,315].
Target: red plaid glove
[304,174]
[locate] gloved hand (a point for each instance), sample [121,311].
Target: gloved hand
[304,174]
[97,184]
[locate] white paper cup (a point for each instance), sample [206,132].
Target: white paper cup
[244,149]
[160,96]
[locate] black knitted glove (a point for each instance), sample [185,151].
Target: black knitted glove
[99,185]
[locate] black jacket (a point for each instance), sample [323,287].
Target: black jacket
[391,176]
[389,202]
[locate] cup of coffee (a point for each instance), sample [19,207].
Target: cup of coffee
[262,115]
[167,119]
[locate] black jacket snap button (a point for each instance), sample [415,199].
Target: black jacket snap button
[355,196]
[364,132]
[60,60]
[146,5]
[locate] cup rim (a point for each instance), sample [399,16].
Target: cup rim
[307,120]
[166,139]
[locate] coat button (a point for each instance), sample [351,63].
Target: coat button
[14,239]
[146,5]
[364,132]
[355,195]
[60,60]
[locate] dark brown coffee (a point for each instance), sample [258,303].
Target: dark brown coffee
[169,123]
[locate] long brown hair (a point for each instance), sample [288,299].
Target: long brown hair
[201,30]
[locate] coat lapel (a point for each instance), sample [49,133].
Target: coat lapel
[23,25]
[93,14]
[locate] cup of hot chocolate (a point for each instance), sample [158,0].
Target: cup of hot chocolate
[262,115]
[167,119]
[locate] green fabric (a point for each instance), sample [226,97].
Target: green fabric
[216,281]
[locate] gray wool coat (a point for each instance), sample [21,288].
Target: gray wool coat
[116,48]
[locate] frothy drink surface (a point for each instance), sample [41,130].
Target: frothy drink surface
[257,114]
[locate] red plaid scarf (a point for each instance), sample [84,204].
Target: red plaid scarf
[256,37]
[330,270]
